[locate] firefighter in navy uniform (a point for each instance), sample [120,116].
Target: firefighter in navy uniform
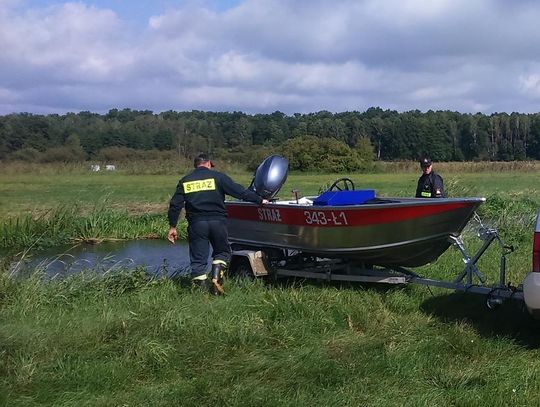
[430,184]
[202,192]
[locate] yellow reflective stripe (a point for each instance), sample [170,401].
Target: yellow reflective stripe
[426,194]
[219,262]
[199,185]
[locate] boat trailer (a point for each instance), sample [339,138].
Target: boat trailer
[282,262]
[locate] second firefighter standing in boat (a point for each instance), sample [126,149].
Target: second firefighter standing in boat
[202,192]
[430,184]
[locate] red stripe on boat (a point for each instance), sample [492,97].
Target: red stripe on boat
[336,217]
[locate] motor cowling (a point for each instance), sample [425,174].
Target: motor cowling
[270,176]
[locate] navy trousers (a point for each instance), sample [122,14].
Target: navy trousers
[202,234]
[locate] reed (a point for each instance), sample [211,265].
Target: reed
[171,164]
[164,164]
[10,168]
[460,166]
[69,224]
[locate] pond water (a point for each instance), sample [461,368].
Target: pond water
[159,257]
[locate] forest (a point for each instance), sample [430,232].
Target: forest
[348,140]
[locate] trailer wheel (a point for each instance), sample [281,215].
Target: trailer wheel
[493,302]
[241,269]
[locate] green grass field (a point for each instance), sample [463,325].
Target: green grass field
[124,340]
[29,192]
[54,206]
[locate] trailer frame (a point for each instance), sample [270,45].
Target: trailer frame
[264,262]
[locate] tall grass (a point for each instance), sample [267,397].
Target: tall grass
[22,167]
[459,167]
[126,339]
[129,340]
[166,164]
[171,164]
[68,224]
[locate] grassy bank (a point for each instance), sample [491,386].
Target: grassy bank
[130,341]
[34,190]
[54,205]
[126,340]
[513,214]
[71,224]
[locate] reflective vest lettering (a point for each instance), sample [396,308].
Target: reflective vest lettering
[199,185]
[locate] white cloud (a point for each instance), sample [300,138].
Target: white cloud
[530,83]
[273,55]
[71,42]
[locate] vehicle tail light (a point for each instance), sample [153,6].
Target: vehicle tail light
[536,248]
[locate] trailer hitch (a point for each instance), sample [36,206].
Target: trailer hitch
[499,292]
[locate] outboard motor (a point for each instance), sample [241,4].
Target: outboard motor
[270,176]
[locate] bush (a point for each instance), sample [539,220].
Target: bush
[308,153]
[66,154]
[30,155]
[126,154]
[117,154]
[249,158]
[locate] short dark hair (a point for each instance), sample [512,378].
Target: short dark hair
[202,158]
[425,162]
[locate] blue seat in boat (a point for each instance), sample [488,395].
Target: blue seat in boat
[338,198]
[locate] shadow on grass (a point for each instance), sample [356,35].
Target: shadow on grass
[510,320]
[288,282]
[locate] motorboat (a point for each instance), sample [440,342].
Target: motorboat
[398,231]
[347,223]
[352,235]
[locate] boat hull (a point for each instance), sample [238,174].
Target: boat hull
[391,232]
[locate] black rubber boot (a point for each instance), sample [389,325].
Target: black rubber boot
[203,285]
[217,276]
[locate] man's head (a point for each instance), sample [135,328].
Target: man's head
[202,160]
[426,165]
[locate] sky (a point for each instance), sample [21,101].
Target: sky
[261,56]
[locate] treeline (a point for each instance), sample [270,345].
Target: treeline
[379,134]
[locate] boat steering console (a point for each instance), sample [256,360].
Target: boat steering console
[342,184]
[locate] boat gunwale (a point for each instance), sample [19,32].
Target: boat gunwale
[393,202]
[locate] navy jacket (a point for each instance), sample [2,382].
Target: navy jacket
[430,186]
[203,192]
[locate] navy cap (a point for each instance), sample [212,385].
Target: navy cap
[202,158]
[425,162]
